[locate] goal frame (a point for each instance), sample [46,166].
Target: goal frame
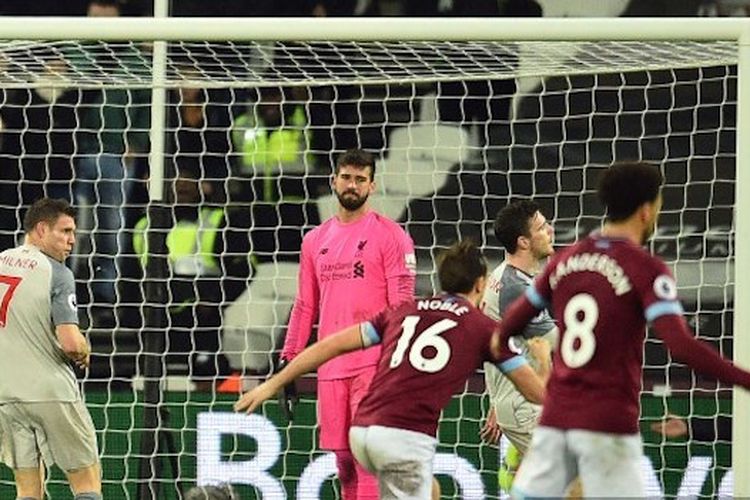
[162,29]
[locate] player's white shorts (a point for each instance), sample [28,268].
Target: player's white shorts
[60,432]
[609,465]
[401,459]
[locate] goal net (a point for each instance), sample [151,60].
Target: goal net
[251,132]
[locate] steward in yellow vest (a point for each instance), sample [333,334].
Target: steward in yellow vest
[271,141]
[209,268]
[191,244]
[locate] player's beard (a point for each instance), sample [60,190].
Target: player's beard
[351,203]
[543,252]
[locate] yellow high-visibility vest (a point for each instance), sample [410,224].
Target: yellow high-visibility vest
[269,150]
[190,244]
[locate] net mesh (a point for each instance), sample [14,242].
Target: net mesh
[320,63]
[251,133]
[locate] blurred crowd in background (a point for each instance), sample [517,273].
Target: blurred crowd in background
[552,8]
[270,149]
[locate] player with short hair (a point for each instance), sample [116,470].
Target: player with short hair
[352,266]
[603,291]
[431,345]
[212,492]
[523,230]
[42,416]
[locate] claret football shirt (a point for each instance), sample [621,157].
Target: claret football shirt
[430,347]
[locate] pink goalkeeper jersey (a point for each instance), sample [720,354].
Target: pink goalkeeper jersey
[348,273]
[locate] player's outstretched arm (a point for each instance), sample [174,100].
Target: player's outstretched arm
[516,317]
[675,333]
[73,344]
[347,340]
[699,428]
[528,383]
[541,350]
[671,427]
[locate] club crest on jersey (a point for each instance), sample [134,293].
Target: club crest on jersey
[360,248]
[665,287]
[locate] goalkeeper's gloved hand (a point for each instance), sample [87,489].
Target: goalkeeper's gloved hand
[288,396]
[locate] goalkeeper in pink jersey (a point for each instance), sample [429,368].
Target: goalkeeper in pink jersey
[351,267]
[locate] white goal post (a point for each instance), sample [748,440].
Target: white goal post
[735,49]
[373,29]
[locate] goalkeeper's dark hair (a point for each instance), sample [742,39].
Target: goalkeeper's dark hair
[624,187]
[512,221]
[107,3]
[459,266]
[216,492]
[357,158]
[46,210]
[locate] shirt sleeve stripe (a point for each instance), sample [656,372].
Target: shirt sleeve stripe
[511,364]
[370,336]
[535,298]
[663,308]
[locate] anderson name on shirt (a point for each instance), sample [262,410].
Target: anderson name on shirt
[594,262]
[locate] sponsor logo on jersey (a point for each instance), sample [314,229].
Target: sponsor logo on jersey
[341,271]
[73,302]
[336,271]
[359,269]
